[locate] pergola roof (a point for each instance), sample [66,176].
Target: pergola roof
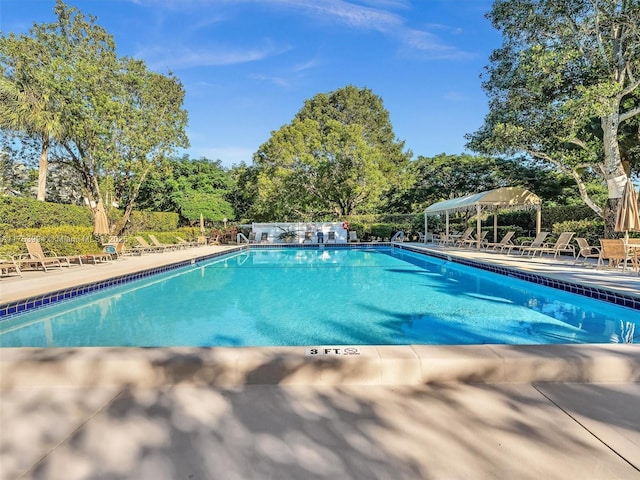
[515,198]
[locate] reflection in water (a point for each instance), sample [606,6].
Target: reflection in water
[330,296]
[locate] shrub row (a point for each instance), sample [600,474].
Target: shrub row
[31,213]
[18,212]
[63,240]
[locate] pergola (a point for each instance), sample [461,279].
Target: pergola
[506,198]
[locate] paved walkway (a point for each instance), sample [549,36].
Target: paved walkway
[178,414]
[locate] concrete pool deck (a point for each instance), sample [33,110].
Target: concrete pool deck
[408,412]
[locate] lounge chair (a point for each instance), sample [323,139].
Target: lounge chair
[121,250]
[466,235]
[563,244]
[538,241]
[167,246]
[506,241]
[9,264]
[331,237]
[146,247]
[38,257]
[614,251]
[353,236]
[264,237]
[470,242]
[96,258]
[185,243]
[586,251]
[252,237]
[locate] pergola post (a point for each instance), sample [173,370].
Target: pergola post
[426,228]
[478,224]
[538,219]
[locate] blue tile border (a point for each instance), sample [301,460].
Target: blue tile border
[597,293]
[12,308]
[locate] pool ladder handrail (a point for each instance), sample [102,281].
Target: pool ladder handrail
[241,238]
[398,237]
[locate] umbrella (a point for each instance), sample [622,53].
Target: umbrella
[627,217]
[100,221]
[201,224]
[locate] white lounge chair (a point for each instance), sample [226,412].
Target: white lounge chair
[506,241]
[563,244]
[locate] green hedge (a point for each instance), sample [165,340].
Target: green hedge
[19,212]
[153,221]
[30,213]
[64,240]
[592,230]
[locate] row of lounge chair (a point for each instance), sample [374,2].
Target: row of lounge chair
[612,251]
[37,258]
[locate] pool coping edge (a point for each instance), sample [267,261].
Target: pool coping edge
[91,367]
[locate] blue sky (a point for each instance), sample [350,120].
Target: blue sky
[248,65]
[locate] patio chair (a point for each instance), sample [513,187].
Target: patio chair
[96,258]
[146,247]
[445,240]
[633,250]
[473,241]
[466,235]
[506,240]
[614,251]
[562,245]
[353,236]
[264,237]
[252,237]
[8,264]
[538,241]
[37,256]
[185,243]
[331,237]
[308,237]
[167,246]
[586,251]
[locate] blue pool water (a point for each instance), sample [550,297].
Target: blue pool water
[323,297]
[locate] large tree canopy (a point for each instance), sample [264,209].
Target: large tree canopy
[564,87]
[108,118]
[337,157]
[190,188]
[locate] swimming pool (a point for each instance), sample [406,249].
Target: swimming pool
[330,296]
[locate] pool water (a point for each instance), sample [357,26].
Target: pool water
[296,297]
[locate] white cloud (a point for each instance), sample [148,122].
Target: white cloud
[375,15]
[175,58]
[279,81]
[380,19]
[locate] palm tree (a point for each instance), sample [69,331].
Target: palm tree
[26,108]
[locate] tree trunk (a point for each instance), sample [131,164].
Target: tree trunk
[119,229]
[613,169]
[43,167]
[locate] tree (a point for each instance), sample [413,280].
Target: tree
[451,176]
[119,120]
[563,88]
[190,188]
[28,103]
[337,157]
